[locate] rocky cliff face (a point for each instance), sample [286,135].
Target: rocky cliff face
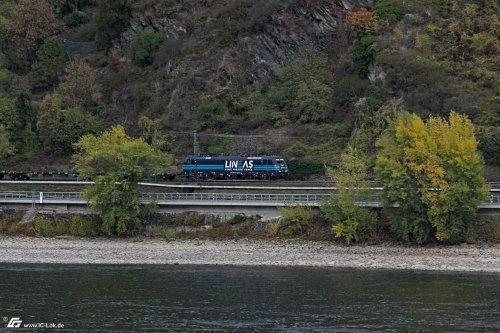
[212,43]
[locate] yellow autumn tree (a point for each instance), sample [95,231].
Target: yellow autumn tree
[433,170]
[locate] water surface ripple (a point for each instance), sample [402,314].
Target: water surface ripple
[102,298]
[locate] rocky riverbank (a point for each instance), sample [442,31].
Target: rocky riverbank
[273,252]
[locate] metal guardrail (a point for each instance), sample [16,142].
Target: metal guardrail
[305,198]
[231,197]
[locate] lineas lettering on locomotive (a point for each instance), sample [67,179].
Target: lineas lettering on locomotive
[238,165]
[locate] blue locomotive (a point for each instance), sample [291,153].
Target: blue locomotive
[237,167]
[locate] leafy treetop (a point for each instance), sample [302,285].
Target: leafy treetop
[433,170]
[114,152]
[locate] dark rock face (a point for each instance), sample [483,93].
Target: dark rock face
[262,35]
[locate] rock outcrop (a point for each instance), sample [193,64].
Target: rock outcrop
[256,38]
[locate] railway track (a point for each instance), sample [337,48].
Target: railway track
[190,186]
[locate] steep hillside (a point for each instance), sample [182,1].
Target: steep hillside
[300,78]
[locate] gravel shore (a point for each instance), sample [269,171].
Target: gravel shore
[272,252]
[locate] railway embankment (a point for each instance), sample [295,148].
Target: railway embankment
[268,252]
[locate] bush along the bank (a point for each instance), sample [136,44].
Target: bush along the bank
[79,226]
[335,220]
[433,171]
[298,219]
[350,222]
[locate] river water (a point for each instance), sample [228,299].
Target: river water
[110,298]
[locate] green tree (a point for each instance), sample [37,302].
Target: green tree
[369,124]
[60,127]
[50,56]
[364,31]
[433,171]
[16,111]
[304,90]
[363,53]
[6,148]
[144,44]
[213,113]
[6,9]
[111,17]
[350,222]
[116,162]
[8,115]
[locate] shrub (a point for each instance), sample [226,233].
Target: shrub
[388,11]
[363,20]
[8,221]
[84,226]
[213,113]
[75,18]
[80,87]
[192,219]
[22,229]
[144,44]
[363,53]
[480,41]
[44,228]
[298,219]
[423,42]
[350,222]
[303,91]
[275,227]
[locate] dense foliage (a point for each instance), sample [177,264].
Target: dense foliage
[111,17]
[302,79]
[350,222]
[433,171]
[298,219]
[144,44]
[116,163]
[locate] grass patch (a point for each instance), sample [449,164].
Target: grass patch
[51,226]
